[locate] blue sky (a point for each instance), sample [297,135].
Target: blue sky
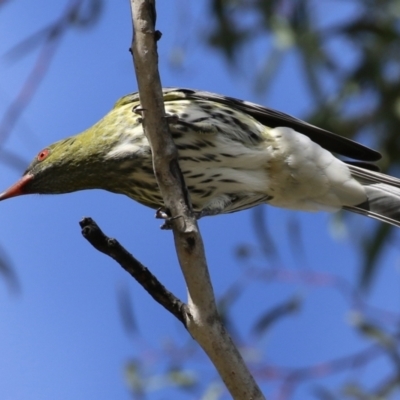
[62,336]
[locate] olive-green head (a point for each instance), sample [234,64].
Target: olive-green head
[65,166]
[90,160]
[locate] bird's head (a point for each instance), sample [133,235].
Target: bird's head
[65,166]
[90,160]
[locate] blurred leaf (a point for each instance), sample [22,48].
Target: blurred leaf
[7,270]
[126,310]
[391,385]
[182,378]
[355,391]
[134,378]
[386,340]
[80,14]
[244,251]
[275,314]
[296,239]
[375,332]
[214,391]
[86,14]
[227,36]
[263,235]
[13,160]
[30,43]
[266,76]
[225,303]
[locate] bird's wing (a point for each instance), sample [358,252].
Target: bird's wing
[272,118]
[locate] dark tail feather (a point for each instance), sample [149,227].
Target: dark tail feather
[383,204]
[383,193]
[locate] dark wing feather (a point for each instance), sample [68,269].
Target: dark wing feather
[364,165]
[272,118]
[372,177]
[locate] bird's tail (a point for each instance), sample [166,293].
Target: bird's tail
[383,196]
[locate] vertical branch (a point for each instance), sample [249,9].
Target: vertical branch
[202,318]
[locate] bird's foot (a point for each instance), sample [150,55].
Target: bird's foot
[161,213]
[171,118]
[139,111]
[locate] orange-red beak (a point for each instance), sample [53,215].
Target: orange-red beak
[17,189]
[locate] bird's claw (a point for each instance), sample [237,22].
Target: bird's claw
[171,118]
[162,214]
[139,111]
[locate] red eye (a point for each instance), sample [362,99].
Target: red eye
[43,154]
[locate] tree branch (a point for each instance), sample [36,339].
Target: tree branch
[202,319]
[111,247]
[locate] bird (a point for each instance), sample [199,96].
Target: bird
[233,154]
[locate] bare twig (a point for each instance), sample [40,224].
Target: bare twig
[202,320]
[111,247]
